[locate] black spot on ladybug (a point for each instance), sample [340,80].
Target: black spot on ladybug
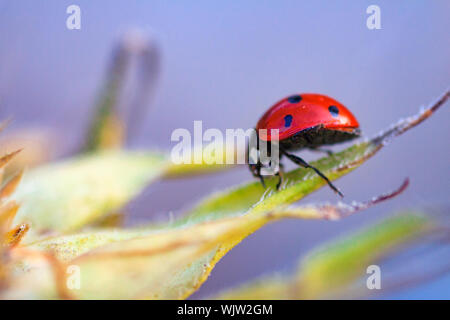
[287,120]
[334,111]
[294,99]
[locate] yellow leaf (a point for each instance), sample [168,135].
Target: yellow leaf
[10,186]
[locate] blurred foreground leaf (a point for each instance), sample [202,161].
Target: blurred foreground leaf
[332,271]
[65,196]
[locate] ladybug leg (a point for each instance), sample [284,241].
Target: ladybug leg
[256,172]
[304,164]
[280,175]
[261,178]
[317,149]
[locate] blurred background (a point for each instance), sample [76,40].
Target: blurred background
[225,63]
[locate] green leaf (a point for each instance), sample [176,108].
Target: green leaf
[339,264]
[252,197]
[65,196]
[332,270]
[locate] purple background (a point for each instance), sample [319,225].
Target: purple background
[225,63]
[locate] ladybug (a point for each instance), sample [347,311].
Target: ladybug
[304,121]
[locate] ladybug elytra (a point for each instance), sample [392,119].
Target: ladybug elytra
[305,121]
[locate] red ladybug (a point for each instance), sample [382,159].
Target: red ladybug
[305,121]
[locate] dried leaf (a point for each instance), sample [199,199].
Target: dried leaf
[6,158]
[38,144]
[7,213]
[14,236]
[10,186]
